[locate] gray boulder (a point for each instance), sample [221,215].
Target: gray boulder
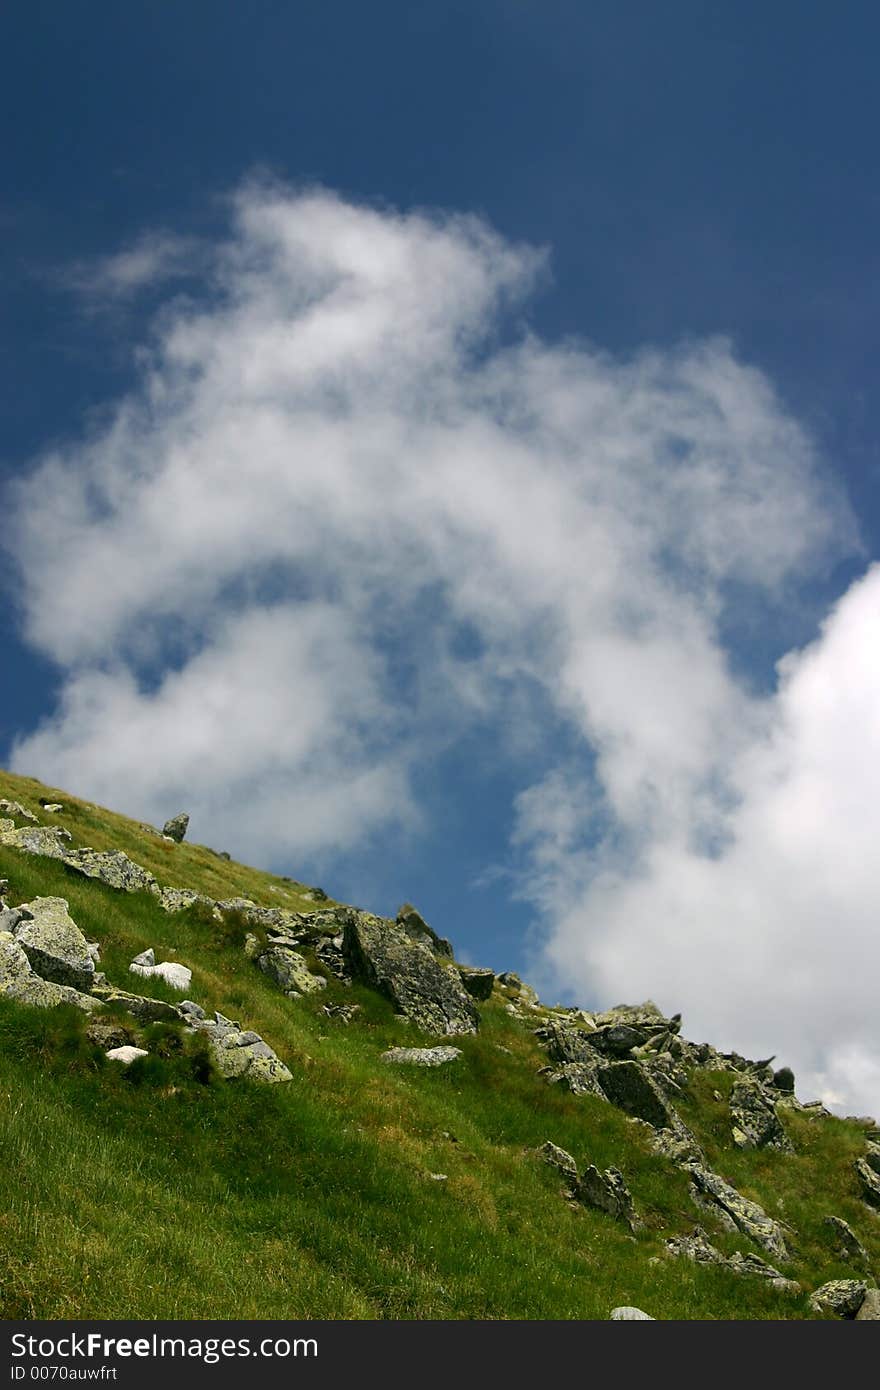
[577,1077]
[421,1056]
[50,841]
[19,982]
[755,1123]
[176,827]
[140,1006]
[842,1297]
[559,1159]
[112,867]
[16,810]
[714,1194]
[477,982]
[407,972]
[608,1192]
[628,1085]
[289,970]
[870,1309]
[697,1247]
[178,899]
[237,1052]
[126,1054]
[626,1313]
[54,944]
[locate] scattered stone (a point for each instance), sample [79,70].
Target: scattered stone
[847,1242]
[414,925]
[421,1056]
[405,970]
[697,1247]
[629,1314]
[17,811]
[754,1120]
[712,1192]
[439,1177]
[18,981]
[560,1160]
[870,1309]
[175,829]
[608,1192]
[869,1181]
[289,971]
[344,1012]
[54,944]
[112,867]
[842,1297]
[126,1054]
[478,982]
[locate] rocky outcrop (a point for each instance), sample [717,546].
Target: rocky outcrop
[407,972]
[16,811]
[54,944]
[577,1077]
[414,925]
[176,828]
[714,1194]
[841,1297]
[477,982]
[113,867]
[754,1122]
[697,1247]
[19,981]
[629,1086]
[421,1056]
[608,1192]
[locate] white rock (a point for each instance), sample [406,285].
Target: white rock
[176,975]
[126,1054]
[626,1314]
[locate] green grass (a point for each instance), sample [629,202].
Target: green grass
[158,1191]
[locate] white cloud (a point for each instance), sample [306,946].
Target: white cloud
[333,467]
[151,261]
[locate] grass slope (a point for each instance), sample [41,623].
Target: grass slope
[157,1191]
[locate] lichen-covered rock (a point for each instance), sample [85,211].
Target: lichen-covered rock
[54,944]
[239,1052]
[289,970]
[407,972]
[113,867]
[16,811]
[754,1121]
[608,1192]
[478,982]
[559,1159]
[842,1297]
[176,827]
[178,899]
[682,1148]
[107,1035]
[50,841]
[869,1182]
[19,982]
[421,1056]
[577,1077]
[140,1006]
[846,1241]
[697,1247]
[710,1191]
[415,926]
[567,1043]
[872,1157]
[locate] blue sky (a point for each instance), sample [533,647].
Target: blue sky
[593,301]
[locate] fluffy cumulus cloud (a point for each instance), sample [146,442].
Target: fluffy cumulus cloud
[355,509]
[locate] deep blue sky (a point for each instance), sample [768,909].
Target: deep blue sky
[696,168]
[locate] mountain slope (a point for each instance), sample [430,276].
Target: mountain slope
[357,1189]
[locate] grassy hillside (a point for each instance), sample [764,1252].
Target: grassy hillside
[161,1191]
